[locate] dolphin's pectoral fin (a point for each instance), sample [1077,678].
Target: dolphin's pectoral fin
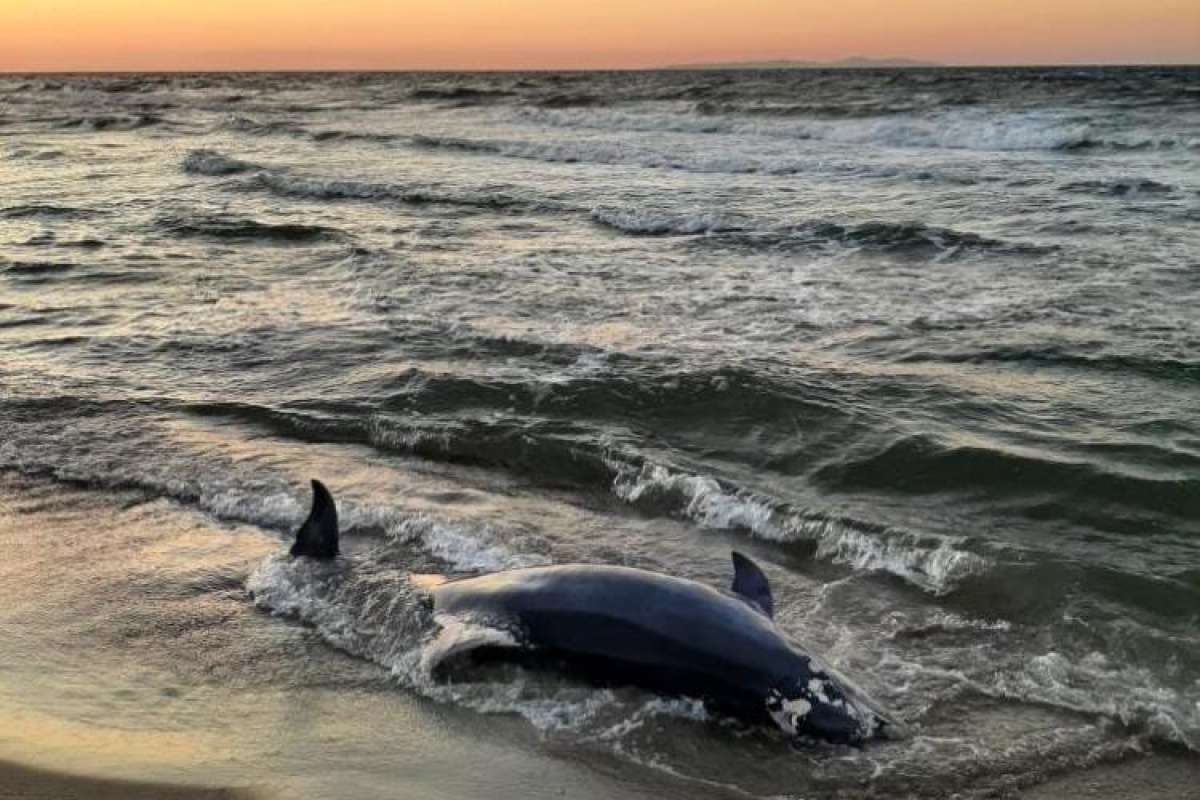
[458,637]
[750,584]
[318,536]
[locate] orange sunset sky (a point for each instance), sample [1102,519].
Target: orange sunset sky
[559,34]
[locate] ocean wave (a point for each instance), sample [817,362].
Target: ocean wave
[111,122]
[428,544]
[557,455]
[311,188]
[915,237]
[284,183]
[653,223]
[619,120]
[1133,144]
[993,131]
[464,548]
[48,211]
[624,153]
[572,101]
[934,563]
[1002,132]
[454,143]
[812,110]
[35,154]
[35,269]
[327,135]
[460,94]
[565,454]
[237,228]
[1159,367]
[211,162]
[253,127]
[929,466]
[616,153]
[1094,684]
[909,238]
[1121,187]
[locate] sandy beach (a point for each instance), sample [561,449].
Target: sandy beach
[27,783]
[1154,778]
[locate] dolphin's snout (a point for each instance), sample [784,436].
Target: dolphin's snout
[819,708]
[834,725]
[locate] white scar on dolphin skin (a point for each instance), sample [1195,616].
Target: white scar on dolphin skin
[819,689]
[788,713]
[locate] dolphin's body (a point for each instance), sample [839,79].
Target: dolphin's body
[667,634]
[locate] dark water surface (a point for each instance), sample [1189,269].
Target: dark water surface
[925,343]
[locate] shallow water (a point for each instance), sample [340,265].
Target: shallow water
[924,343]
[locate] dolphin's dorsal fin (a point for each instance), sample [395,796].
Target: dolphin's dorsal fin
[750,584]
[318,536]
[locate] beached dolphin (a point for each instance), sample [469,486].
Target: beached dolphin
[626,626]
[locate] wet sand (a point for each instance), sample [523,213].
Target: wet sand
[1152,778]
[27,783]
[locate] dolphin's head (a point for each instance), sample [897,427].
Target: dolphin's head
[816,705]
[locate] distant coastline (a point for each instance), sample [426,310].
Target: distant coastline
[854,62]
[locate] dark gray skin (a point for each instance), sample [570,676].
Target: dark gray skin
[624,626]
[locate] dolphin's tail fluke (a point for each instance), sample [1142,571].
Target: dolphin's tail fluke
[318,536]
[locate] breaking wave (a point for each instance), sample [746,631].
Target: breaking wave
[933,563]
[460,94]
[111,122]
[288,184]
[1095,685]
[651,223]
[237,228]
[618,154]
[210,162]
[911,238]
[252,127]
[1120,187]
[46,211]
[1158,366]
[1029,131]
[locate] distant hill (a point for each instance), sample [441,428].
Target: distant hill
[856,62]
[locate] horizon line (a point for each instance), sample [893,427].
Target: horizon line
[731,66]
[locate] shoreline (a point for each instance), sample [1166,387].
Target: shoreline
[1153,777]
[21,782]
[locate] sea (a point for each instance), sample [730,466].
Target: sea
[924,343]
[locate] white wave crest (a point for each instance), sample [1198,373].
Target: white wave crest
[933,563]
[959,130]
[973,132]
[909,556]
[338,189]
[654,223]
[468,550]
